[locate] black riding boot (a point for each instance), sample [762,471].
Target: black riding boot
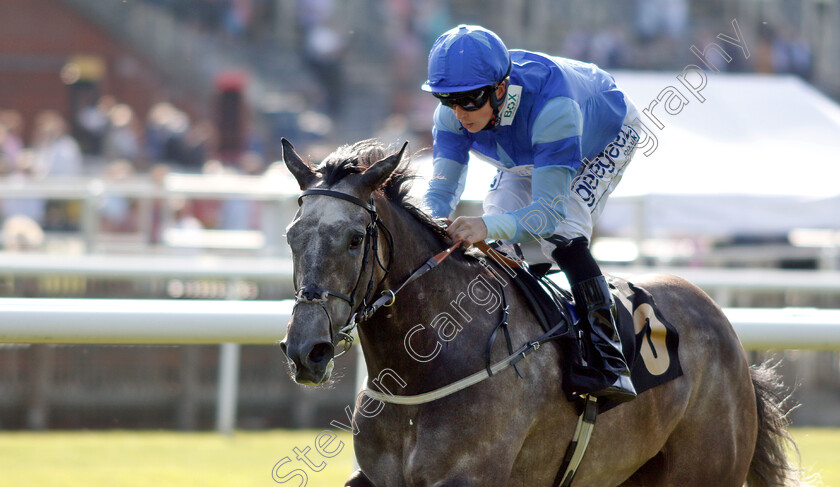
[597,320]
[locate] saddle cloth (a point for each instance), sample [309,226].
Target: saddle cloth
[650,343]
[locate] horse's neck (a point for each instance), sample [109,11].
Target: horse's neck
[403,338]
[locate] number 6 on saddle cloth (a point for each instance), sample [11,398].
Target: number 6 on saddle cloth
[649,341]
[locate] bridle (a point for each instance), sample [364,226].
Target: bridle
[313,293]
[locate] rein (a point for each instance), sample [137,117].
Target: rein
[471,380]
[312,293]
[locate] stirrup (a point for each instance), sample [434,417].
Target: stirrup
[621,391]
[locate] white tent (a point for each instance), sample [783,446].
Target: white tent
[760,156]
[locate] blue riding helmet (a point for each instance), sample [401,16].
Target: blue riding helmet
[465,58]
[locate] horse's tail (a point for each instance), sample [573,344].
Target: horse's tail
[770,466]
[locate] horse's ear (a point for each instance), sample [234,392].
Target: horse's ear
[300,170]
[379,171]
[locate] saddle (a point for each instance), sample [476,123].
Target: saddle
[648,340]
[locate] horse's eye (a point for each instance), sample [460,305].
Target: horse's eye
[356,241]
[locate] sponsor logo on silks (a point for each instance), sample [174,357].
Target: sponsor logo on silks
[514,93]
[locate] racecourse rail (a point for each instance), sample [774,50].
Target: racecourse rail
[42,320]
[718,282]
[171,321]
[234,322]
[230,323]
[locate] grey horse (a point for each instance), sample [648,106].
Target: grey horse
[357,236]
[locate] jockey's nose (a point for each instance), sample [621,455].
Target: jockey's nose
[460,113]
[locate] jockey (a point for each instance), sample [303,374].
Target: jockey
[561,134]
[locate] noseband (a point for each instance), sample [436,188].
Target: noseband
[313,293]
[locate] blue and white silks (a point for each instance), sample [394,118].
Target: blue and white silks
[557,112]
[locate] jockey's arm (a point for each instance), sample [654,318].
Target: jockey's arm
[450,153]
[556,140]
[446,187]
[550,187]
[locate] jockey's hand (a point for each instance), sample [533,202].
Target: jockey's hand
[470,229]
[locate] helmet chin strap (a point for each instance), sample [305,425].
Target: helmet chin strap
[496,104]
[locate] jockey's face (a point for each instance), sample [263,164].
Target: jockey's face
[475,120]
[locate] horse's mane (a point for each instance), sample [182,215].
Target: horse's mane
[355,158]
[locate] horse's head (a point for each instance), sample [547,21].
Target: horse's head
[334,242]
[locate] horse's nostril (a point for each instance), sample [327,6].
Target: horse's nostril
[320,352]
[283,348]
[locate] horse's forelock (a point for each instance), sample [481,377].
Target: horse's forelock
[355,158]
[351,159]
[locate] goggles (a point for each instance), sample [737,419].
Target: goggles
[468,100]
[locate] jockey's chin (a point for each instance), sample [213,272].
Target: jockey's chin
[474,121]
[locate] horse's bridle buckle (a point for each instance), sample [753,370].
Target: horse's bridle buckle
[393,298]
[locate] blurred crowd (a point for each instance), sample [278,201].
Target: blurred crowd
[53,152]
[230,17]
[378,71]
[106,140]
[111,130]
[661,32]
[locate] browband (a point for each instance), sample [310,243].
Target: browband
[337,194]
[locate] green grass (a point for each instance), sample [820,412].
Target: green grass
[125,459]
[820,450]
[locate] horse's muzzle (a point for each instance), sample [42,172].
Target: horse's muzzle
[311,363]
